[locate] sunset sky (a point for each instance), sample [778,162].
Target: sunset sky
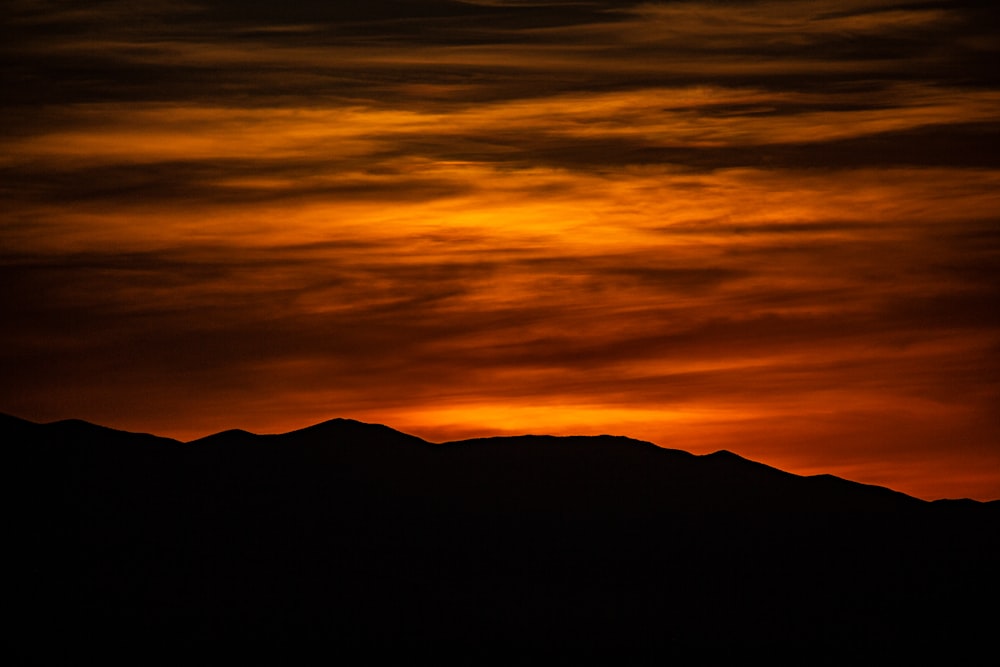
[768,227]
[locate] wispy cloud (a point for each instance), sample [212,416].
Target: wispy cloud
[764,226]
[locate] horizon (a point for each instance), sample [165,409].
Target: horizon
[615,436]
[766,227]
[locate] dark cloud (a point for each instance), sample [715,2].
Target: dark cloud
[220,182]
[251,53]
[951,145]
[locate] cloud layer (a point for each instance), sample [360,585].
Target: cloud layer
[769,227]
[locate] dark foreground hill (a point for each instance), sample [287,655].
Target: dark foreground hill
[347,537]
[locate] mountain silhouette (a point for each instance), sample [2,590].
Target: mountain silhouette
[346,534]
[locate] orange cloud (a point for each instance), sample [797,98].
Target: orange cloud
[766,227]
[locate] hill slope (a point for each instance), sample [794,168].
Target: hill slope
[354,533]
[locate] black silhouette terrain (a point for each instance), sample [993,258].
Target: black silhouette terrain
[347,537]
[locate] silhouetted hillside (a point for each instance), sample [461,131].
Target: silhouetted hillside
[351,534]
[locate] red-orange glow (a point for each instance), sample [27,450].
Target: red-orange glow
[769,228]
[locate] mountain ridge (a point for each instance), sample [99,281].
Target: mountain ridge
[357,535]
[340,428]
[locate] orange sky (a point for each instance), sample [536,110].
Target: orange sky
[769,227]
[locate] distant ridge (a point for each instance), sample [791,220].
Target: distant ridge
[233,434]
[347,534]
[569,451]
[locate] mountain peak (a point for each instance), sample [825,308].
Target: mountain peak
[725,454]
[342,428]
[228,435]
